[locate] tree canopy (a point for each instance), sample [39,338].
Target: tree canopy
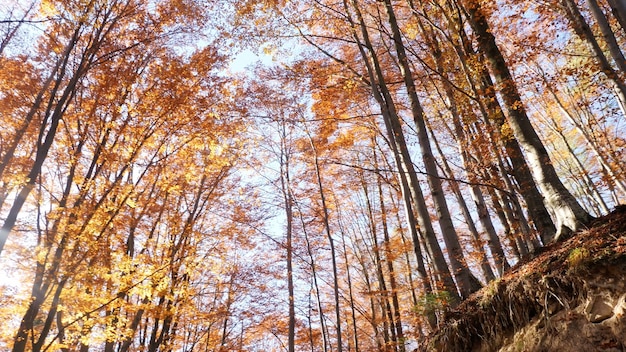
[374,164]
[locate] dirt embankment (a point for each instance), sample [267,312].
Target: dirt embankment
[571,297]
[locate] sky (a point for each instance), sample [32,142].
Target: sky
[247,59]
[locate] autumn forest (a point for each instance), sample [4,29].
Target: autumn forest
[289,175]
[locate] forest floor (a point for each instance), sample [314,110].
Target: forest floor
[569,297]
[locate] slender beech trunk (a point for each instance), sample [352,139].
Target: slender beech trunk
[374,320]
[395,203]
[47,132]
[388,322]
[618,8]
[290,286]
[570,216]
[520,229]
[484,218]
[285,188]
[608,35]
[407,174]
[581,27]
[409,267]
[495,120]
[498,208]
[476,240]
[482,87]
[451,102]
[355,337]
[421,329]
[323,326]
[494,243]
[465,280]
[507,192]
[229,302]
[333,254]
[389,259]
[308,318]
[412,224]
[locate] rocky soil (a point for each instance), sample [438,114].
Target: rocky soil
[571,297]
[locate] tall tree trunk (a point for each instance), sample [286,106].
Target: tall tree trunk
[608,35]
[460,136]
[494,243]
[389,332]
[285,188]
[355,337]
[431,315]
[465,280]
[412,224]
[309,249]
[581,27]
[570,216]
[522,174]
[374,320]
[500,213]
[514,217]
[333,254]
[618,8]
[476,240]
[484,218]
[482,87]
[397,320]
[407,173]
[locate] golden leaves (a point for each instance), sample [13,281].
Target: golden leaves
[48,9]
[131,203]
[146,137]
[506,132]
[411,30]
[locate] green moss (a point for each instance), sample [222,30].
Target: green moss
[489,292]
[432,302]
[577,257]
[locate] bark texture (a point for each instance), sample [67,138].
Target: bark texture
[568,213]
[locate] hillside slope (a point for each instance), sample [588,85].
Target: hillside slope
[571,297]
